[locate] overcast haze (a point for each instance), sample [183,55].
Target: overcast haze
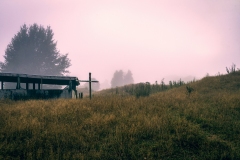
[154,39]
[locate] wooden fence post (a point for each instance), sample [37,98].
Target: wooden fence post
[80,95]
[18,83]
[27,86]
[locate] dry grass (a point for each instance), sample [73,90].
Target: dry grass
[165,125]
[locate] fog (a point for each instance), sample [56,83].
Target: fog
[155,39]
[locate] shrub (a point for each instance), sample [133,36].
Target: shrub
[142,89]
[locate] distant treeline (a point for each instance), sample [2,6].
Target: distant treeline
[145,89]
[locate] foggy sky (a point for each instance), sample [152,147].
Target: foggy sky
[155,39]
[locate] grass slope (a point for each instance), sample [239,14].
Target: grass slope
[165,125]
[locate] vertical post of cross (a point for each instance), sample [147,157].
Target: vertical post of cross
[90,86]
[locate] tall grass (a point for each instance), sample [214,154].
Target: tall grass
[164,125]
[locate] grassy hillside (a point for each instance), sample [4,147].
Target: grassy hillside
[165,125]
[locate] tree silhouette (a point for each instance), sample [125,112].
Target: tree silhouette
[120,78]
[33,51]
[128,79]
[117,79]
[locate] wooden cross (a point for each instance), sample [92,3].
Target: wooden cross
[90,86]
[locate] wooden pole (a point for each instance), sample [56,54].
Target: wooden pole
[76,94]
[70,86]
[80,95]
[18,83]
[33,86]
[90,86]
[27,86]
[41,83]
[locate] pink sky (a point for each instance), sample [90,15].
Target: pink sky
[155,39]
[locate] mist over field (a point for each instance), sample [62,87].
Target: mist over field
[171,68]
[154,39]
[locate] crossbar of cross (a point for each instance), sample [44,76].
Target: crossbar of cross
[90,85]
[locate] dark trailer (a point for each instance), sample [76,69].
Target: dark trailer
[37,82]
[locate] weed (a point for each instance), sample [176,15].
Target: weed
[231,69]
[189,90]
